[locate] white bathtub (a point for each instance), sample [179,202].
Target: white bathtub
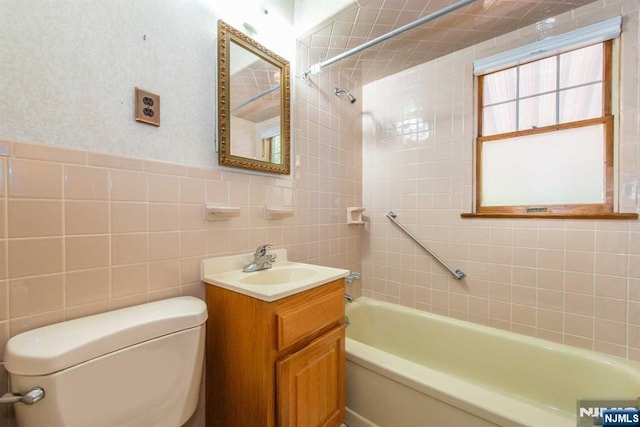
[410,368]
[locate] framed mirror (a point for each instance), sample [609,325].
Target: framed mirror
[253,104]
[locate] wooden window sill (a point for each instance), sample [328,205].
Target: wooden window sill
[550,215]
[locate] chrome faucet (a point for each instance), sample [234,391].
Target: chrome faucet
[352,276]
[261,259]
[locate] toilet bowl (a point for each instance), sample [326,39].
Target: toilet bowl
[137,366]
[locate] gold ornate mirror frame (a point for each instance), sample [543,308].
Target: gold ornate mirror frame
[227,38]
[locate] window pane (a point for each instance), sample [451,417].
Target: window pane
[538,77]
[581,66]
[581,103]
[275,150]
[537,112]
[540,169]
[499,87]
[499,118]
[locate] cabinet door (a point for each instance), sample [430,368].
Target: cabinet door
[311,383]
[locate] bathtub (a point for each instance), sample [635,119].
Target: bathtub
[410,368]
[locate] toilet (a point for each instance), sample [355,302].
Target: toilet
[133,367]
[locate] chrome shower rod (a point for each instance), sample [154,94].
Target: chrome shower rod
[458,274]
[316,68]
[256,97]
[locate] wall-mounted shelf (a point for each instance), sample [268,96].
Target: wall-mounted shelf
[221,213]
[354,215]
[277,213]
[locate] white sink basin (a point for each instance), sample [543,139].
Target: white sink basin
[278,275]
[283,279]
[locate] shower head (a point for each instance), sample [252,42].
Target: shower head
[338,91]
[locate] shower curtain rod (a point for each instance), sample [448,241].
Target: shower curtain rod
[256,97]
[316,68]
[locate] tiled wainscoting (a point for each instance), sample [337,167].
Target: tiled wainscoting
[82,233]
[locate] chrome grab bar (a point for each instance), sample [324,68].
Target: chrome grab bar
[29,398]
[458,274]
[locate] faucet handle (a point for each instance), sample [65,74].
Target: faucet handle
[262,249]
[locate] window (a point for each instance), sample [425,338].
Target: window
[545,141]
[271,147]
[546,127]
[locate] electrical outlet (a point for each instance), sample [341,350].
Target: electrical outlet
[147,107]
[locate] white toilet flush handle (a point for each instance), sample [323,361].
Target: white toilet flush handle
[29,398]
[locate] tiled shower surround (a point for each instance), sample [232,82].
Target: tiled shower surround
[571,281]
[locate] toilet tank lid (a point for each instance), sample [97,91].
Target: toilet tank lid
[58,346]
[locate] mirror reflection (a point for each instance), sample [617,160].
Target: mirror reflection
[254,110]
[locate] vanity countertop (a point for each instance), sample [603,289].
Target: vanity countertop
[285,278]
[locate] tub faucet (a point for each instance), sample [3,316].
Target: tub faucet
[352,276]
[348,298]
[261,259]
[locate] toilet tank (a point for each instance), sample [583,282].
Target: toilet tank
[137,366]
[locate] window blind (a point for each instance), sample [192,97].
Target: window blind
[592,34]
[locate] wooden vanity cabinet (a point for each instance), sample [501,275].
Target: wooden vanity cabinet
[277,363]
